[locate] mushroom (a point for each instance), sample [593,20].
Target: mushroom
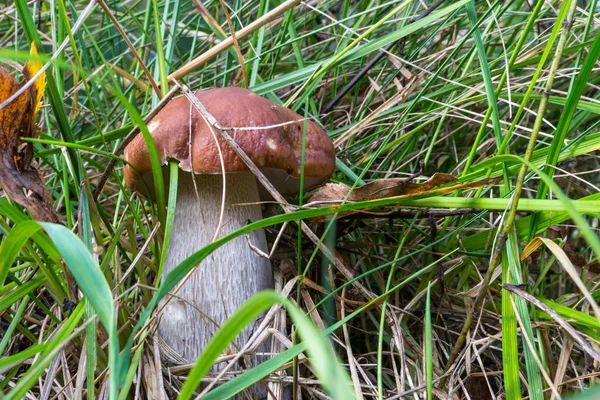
[271,136]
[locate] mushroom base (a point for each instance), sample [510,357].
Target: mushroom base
[225,279]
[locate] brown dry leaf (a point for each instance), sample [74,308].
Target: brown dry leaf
[383,188]
[379,189]
[19,175]
[330,192]
[386,188]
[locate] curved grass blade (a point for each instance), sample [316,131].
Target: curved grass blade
[85,270]
[16,238]
[323,360]
[20,292]
[16,359]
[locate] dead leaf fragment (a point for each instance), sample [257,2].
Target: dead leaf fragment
[382,188]
[330,192]
[19,175]
[379,189]
[386,188]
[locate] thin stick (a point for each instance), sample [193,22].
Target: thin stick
[585,346]
[236,45]
[227,43]
[130,45]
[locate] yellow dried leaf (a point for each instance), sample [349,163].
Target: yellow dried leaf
[31,68]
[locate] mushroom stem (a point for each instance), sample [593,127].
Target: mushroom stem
[229,276]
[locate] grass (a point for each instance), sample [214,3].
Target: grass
[476,89]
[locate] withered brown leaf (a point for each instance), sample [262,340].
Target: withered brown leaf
[379,189]
[20,176]
[382,188]
[386,188]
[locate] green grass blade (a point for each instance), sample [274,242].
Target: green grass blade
[323,360]
[428,345]
[11,246]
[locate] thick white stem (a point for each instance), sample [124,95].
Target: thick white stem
[228,277]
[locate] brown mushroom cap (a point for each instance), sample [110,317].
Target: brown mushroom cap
[276,150]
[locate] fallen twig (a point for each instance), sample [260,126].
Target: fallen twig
[516,289]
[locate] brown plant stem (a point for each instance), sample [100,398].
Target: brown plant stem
[497,253]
